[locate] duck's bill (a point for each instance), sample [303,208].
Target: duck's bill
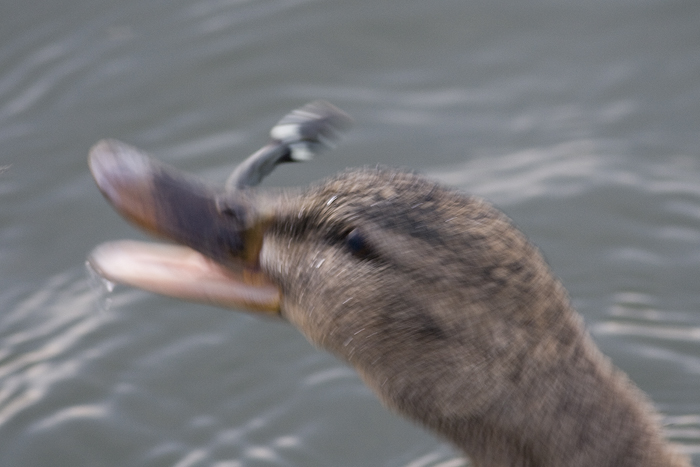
[216,259]
[169,203]
[181,272]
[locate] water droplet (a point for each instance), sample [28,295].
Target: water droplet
[101,287]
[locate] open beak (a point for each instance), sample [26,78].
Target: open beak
[219,238]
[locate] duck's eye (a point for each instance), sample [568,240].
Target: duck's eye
[357,244]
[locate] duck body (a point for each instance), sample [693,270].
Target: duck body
[448,313]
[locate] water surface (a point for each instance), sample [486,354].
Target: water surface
[579,119]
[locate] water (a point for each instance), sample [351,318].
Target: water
[579,119]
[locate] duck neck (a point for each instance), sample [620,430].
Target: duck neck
[554,403]
[577,411]
[586,413]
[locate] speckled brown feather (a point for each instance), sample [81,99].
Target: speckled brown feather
[454,319]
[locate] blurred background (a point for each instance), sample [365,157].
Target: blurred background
[579,119]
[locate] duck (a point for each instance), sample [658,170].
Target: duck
[445,309]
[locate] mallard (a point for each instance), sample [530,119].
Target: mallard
[448,313]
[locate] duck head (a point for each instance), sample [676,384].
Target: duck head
[444,308]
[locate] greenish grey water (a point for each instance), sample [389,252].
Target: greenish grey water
[579,119]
